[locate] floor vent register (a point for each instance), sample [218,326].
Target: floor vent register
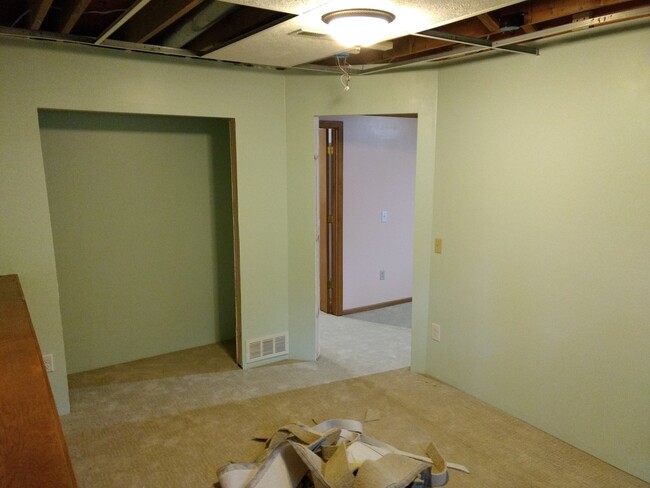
[267,347]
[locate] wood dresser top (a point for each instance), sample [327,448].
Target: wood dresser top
[33,452]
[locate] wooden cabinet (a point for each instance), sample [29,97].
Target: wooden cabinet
[33,452]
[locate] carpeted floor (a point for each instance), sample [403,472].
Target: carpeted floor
[166,422]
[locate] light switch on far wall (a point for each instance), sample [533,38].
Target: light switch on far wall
[438,246]
[384,216]
[48,362]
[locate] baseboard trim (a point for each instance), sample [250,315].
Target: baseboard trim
[377,305]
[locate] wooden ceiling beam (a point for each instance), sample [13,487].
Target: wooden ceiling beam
[414,44]
[539,11]
[38,9]
[72,10]
[536,11]
[154,18]
[488,21]
[545,10]
[410,45]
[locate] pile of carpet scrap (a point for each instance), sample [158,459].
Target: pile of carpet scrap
[335,454]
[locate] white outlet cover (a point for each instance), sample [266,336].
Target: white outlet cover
[435,332]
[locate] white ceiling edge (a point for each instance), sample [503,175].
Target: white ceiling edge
[277,46]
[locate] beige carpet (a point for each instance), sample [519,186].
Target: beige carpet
[175,429]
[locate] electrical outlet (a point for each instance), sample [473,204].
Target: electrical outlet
[435,332]
[382,275]
[48,360]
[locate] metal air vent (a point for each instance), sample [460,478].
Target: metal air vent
[267,347]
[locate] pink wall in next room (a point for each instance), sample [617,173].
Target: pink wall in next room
[378,175]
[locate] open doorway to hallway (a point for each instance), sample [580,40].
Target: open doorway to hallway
[366,215]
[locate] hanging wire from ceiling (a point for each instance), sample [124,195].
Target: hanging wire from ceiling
[345,68]
[20,18]
[105,12]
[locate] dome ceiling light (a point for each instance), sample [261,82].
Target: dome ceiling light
[358,26]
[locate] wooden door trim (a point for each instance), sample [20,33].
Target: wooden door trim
[235,242]
[337,248]
[323,299]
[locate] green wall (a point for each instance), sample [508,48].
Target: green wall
[542,197]
[142,224]
[62,77]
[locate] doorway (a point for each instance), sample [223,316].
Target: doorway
[372,169]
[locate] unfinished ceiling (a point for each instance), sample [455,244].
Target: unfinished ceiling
[291,34]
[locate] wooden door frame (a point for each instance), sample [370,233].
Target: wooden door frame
[321,172]
[235,243]
[336,303]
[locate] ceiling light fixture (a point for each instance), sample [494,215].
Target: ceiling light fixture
[358,26]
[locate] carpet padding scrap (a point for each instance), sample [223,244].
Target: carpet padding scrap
[335,454]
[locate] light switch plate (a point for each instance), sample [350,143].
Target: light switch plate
[435,332]
[48,361]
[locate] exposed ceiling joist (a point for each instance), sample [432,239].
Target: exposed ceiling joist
[490,24]
[546,10]
[72,11]
[581,25]
[154,18]
[552,31]
[38,9]
[123,19]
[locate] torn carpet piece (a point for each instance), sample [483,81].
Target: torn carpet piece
[335,454]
